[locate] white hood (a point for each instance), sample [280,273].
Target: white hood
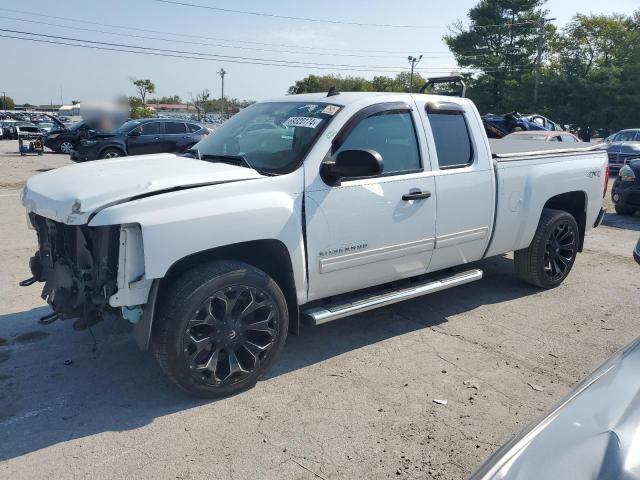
[71,194]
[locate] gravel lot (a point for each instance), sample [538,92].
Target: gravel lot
[351,399]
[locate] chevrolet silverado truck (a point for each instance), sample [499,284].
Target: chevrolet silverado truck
[307,208]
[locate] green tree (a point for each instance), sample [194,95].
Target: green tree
[591,76]
[143,87]
[7,103]
[315,83]
[171,100]
[200,102]
[500,42]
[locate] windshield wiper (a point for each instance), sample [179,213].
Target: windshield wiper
[238,160]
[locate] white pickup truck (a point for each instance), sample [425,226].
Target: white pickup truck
[310,207]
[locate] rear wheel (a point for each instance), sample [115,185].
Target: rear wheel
[111,153]
[220,328]
[550,256]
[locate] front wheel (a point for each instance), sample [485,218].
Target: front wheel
[550,256]
[111,153]
[66,147]
[220,328]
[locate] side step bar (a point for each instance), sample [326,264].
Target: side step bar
[327,313]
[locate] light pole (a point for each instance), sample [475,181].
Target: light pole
[413,61]
[222,72]
[541,40]
[4,101]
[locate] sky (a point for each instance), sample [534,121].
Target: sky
[41,73]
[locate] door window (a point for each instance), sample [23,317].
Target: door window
[174,128]
[152,128]
[453,143]
[391,134]
[193,127]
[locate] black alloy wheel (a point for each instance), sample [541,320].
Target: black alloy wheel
[231,333]
[560,250]
[219,327]
[549,258]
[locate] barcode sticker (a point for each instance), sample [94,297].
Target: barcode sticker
[306,122]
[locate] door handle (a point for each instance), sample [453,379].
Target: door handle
[416,196]
[156,138]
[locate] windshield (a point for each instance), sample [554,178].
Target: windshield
[270,137]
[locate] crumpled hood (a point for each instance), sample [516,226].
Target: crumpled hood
[71,194]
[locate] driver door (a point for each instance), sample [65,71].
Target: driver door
[149,140]
[369,231]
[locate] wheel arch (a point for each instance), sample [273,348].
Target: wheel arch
[269,255]
[575,203]
[113,146]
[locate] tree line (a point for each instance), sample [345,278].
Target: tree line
[583,75]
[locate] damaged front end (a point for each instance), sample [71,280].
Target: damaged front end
[79,266]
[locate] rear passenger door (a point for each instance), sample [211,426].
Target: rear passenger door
[464,182]
[175,137]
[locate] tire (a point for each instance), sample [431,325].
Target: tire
[66,147]
[220,328]
[111,153]
[624,210]
[549,258]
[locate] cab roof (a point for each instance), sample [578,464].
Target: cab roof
[346,98]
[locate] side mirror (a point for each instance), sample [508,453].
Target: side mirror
[91,132]
[352,164]
[134,133]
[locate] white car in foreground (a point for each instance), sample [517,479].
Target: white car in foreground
[342,203]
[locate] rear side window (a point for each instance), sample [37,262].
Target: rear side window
[453,143]
[172,128]
[392,135]
[193,127]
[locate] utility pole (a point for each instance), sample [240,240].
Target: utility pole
[413,61]
[4,101]
[222,72]
[541,41]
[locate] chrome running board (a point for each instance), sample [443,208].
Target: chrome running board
[327,313]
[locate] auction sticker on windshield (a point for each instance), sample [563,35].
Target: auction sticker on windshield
[306,122]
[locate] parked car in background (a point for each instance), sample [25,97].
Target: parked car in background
[8,127]
[622,147]
[498,126]
[65,140]
[12,129]
[46,127]
[544,136]
[591,434]
[139,137]
[625,192]
[27,131]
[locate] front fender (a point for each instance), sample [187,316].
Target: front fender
[182,223]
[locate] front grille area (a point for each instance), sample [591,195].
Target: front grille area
[77,263]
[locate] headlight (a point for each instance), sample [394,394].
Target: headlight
[54,135]
[88,143]
[626,174]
